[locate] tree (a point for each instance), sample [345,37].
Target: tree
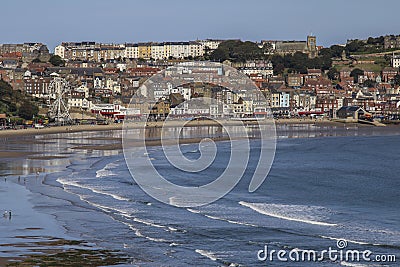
[15,102]
[5,89]
[354,46]
[371,40]
[27,110]
[355,73]
[368,83]
[333,74]
[326,52]
[237,51]
[331,52]
[279,68]
[219,55]
[376,41]
[337,50]
[299,62]
[56,60]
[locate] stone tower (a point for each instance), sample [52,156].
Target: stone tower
[312,46]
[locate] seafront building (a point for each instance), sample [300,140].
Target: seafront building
[25,52]
[110,74]
[101,52]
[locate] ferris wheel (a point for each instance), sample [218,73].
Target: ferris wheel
[59,90]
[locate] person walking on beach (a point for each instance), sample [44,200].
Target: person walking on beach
[7,214]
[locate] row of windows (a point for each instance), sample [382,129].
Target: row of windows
[36,92]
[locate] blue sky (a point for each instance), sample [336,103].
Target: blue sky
[332,21]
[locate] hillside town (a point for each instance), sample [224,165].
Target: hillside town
[297,78]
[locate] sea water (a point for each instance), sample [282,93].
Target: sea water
[319,190]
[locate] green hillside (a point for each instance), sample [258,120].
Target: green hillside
[15,103]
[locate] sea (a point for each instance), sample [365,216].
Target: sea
[329,188]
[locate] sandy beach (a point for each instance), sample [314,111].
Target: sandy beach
[21,223]
[291,127]
[31,237]
[118,126]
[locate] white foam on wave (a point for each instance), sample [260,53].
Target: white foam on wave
[351,241]
[126,215]
[104,173]
[230,221]
[172,229]
[123,213]
[207,254]
[148,223]
[136,231]
[139,234]
[158,240]
[212,256]
[65,182]
[221,219]
[152,224]
[296,213]
[350,264]
[194,211]
[107,170]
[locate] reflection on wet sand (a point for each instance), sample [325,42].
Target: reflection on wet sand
[50,153]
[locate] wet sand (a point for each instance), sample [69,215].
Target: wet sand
[14,154]
[29,237]
[25,224]
[59,129]
[115,126]
[118,145]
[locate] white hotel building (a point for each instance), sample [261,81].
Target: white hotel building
[165,50]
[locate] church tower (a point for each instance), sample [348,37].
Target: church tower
[312,46]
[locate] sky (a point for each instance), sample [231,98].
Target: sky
[119,21]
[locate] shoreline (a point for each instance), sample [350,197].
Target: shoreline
[32,237]
[139,125]
[285,128]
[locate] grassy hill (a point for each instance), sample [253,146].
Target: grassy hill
[15,103]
